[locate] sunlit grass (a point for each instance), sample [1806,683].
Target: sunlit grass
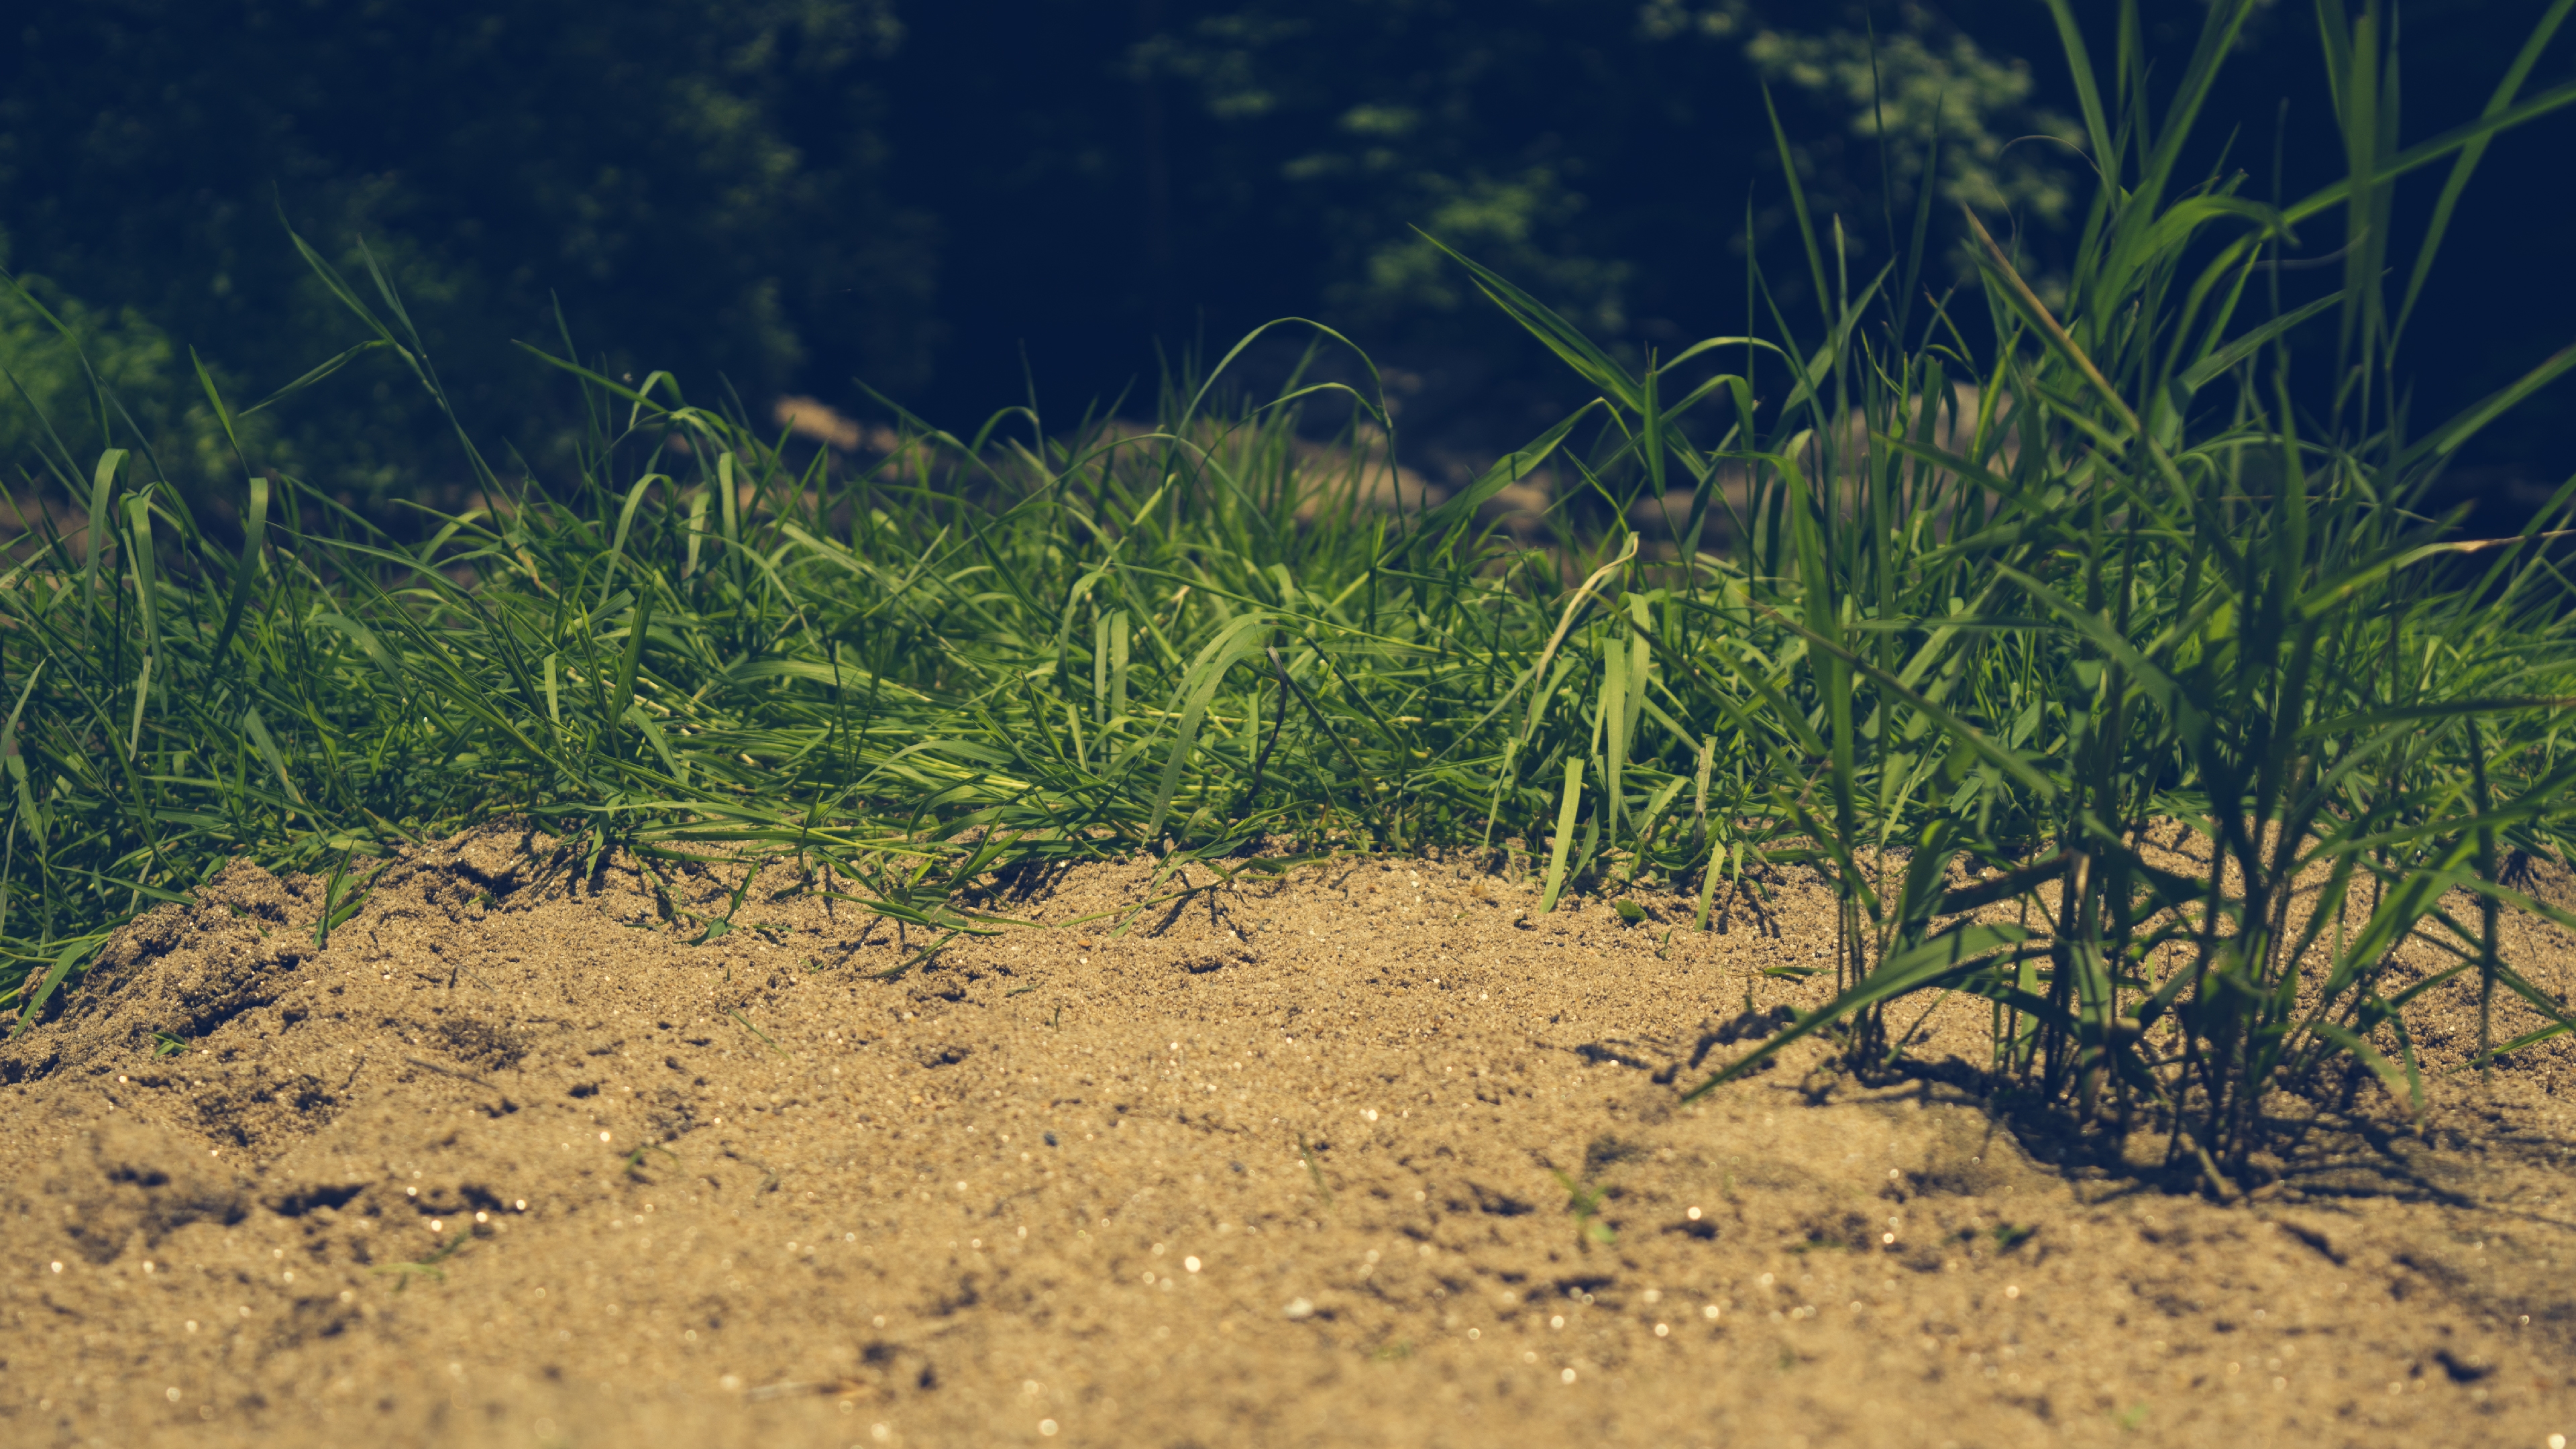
[1955,646]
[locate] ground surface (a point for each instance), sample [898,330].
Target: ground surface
[1371,1155]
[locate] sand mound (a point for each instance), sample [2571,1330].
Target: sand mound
[1368,1155]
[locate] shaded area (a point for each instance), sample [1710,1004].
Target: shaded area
[952,202]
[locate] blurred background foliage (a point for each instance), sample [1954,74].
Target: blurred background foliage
[964,205]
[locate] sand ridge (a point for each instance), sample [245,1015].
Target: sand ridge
[1368,1154]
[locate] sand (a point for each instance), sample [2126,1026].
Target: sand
[1368,1154]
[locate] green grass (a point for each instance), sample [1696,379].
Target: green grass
[2125,581]
[2174,599]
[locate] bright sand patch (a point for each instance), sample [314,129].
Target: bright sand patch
[510,1163]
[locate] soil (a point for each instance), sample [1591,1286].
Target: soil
[1356,1153]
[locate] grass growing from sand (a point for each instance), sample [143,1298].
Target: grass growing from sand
[1960,647]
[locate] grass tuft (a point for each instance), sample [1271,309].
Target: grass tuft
[2106,679]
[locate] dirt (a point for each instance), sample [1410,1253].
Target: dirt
[1368,1153]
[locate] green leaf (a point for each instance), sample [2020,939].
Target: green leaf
[1945,960]
[1565,816]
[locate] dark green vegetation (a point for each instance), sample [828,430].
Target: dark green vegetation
[707,174]
[2122,585]
[774,198]
[777,198]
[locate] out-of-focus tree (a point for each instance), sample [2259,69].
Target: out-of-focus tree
[952,202]
[695,182]
[1194,169]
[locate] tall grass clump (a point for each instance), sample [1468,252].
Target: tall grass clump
[2113,679]
[2147,588]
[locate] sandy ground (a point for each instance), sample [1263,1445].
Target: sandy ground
[1368,1155]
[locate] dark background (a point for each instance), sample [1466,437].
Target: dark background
[966,203]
